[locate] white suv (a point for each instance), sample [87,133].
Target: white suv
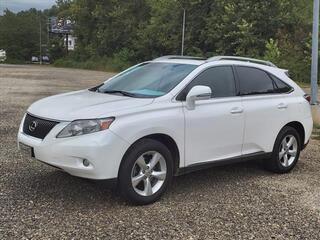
[168,117]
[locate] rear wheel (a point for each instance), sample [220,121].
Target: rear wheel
[145,172]
[286,151]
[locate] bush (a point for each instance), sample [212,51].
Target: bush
[95,63]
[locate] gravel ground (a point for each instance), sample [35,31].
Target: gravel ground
[240,201]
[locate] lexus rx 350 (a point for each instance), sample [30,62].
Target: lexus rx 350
[171,116]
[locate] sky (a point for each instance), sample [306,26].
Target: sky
[18,5]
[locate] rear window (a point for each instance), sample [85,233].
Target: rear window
[254,81]
[280,86]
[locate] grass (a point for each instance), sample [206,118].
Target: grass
[101,64]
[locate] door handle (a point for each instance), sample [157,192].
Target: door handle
[282,106]
[236,110]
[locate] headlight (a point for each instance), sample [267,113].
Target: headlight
[81,127]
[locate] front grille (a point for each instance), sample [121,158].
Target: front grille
[37,127]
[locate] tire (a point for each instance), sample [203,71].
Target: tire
[286,151]
[141,175]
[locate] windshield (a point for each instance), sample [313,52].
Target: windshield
[147,79]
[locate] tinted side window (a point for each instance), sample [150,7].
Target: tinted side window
[254,81]
[219,79]
[280,86]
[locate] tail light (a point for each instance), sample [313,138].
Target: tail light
[307,97]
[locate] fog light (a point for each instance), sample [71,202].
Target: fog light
[86,163]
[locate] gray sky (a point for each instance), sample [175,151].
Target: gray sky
[18,5]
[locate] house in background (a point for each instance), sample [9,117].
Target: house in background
[3,55]
[71,42]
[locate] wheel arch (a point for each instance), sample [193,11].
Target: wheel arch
[165,139]
[300,129]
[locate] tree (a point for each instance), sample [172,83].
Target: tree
[131,31]
[19,34]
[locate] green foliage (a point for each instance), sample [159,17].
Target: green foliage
[57,49]
[122,33]
[132,31]
[122,59]
[95,63]
[272,52]
[19,34]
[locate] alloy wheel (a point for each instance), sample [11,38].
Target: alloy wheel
[288,151]
[148,173]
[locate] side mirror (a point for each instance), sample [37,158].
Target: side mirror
[197,93]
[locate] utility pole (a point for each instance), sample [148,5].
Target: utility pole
[67,43]
[315,48]
[183,31]
[40,42]
[48,32]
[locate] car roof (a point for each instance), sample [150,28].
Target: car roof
[181,61]
[217,59]
[218,63]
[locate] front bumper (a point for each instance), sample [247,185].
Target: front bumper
[104,151]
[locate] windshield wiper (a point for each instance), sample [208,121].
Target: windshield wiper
[124,93]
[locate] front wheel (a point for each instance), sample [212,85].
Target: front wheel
[145,172]
[286,151]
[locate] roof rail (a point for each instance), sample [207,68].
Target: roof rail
[179,57]
[244,59]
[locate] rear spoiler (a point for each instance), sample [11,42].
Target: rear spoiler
[286,72]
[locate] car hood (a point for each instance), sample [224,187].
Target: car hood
[84,104]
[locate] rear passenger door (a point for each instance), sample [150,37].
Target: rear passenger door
[214,129]
[265,102]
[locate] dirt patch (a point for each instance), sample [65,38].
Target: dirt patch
[241,201]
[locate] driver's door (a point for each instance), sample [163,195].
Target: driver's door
[214,128]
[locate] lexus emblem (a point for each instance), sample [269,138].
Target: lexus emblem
[33,126]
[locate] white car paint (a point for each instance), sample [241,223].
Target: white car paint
[207,138]
[84,104]
[214,130]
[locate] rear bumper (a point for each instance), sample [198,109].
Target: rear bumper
[103,150]
[308,127]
